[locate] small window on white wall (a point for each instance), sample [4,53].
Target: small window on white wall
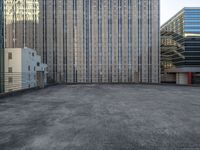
[10,70]
[9,55]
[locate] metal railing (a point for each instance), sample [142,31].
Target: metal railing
[17,81]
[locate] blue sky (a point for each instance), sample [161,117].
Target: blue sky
[171,7]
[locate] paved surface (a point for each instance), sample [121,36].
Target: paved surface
[102,117]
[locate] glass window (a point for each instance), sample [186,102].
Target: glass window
[9,55]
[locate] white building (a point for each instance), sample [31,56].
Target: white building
[23,69]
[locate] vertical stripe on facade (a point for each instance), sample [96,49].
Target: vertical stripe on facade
[94,44]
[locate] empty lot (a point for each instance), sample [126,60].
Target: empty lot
[102,117]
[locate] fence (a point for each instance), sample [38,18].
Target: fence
[17,81]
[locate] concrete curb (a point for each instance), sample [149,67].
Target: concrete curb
[15,93]
[19,92]
[159,84]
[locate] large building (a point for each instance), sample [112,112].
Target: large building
[180,46]
[88,41]
[1,48]
[23,69]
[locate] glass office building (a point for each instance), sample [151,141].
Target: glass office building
[181,38]
[88,41]
[180,45]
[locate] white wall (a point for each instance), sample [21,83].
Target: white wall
[16,64]
[29,76]
[182,78]
[22,77]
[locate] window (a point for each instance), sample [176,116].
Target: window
[33,54]
[9,55]
[10,70]
[38,64]
[10,79]
[29,68]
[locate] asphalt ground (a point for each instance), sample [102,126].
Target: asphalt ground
[102,117]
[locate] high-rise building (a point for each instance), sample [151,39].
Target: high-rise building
[1,48]
[180,44]
[88,41]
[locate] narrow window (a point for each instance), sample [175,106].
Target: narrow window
[10,70]
[9,55]
[10,79]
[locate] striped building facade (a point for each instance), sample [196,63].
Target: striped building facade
[1,48]
[88,41]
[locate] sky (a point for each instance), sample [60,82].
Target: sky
[170,7]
